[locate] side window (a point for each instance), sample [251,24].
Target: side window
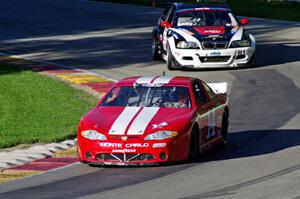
[210,92]
[171,15]
[166,11]
[199,94]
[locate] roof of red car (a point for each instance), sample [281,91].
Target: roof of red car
[168,80]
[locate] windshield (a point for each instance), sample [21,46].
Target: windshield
[205,18]
[142,96]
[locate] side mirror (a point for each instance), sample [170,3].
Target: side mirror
[244,21]
[164,24]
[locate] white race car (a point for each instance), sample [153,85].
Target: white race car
[202,36]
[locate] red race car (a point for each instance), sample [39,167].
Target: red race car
[151,120]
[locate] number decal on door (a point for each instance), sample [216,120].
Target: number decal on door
[211,124]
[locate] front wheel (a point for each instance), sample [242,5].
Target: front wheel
[155,50]
[170,63]
[194,144]
[252,62]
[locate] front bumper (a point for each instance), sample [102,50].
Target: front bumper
[130,153]
[219,58]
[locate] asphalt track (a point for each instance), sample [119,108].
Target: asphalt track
[261,159]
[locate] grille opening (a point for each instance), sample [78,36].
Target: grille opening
[88,155]
[163,156]
[240,57]
[187,58]
[214,45]
[213,59]
[124,157]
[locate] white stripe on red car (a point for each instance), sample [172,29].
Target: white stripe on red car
[141,122]
[120,125]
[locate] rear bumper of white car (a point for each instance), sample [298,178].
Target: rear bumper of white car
[218,58]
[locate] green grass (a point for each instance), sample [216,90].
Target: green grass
[251,8]
[35,108]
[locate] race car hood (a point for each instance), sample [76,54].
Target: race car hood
[136,121]
[208,33]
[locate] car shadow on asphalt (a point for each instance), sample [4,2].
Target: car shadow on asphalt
[253,143]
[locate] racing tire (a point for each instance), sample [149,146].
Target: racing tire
[194,144]
[170,63]
[155,50]
[225,124]
[252,62]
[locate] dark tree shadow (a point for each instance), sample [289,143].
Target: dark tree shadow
[108,36]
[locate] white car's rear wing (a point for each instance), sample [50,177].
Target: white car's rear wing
[218,87]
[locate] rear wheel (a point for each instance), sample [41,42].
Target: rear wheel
[194,144]
[155,50]
[225,124]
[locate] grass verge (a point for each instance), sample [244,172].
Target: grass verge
[35,108]
[251,8]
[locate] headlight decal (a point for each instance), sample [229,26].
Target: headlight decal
[161,135]
[187,45]
[93,135]
[240,43]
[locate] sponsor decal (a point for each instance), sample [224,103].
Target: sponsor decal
[159,145]
[212,31]
[215,53]
[120,145]
[124,150]
[175,35]
[186,24]
[155,126]
[137,145]
[214,37]
[207,30]
[110,145]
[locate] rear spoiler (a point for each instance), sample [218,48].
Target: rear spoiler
[218,87]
